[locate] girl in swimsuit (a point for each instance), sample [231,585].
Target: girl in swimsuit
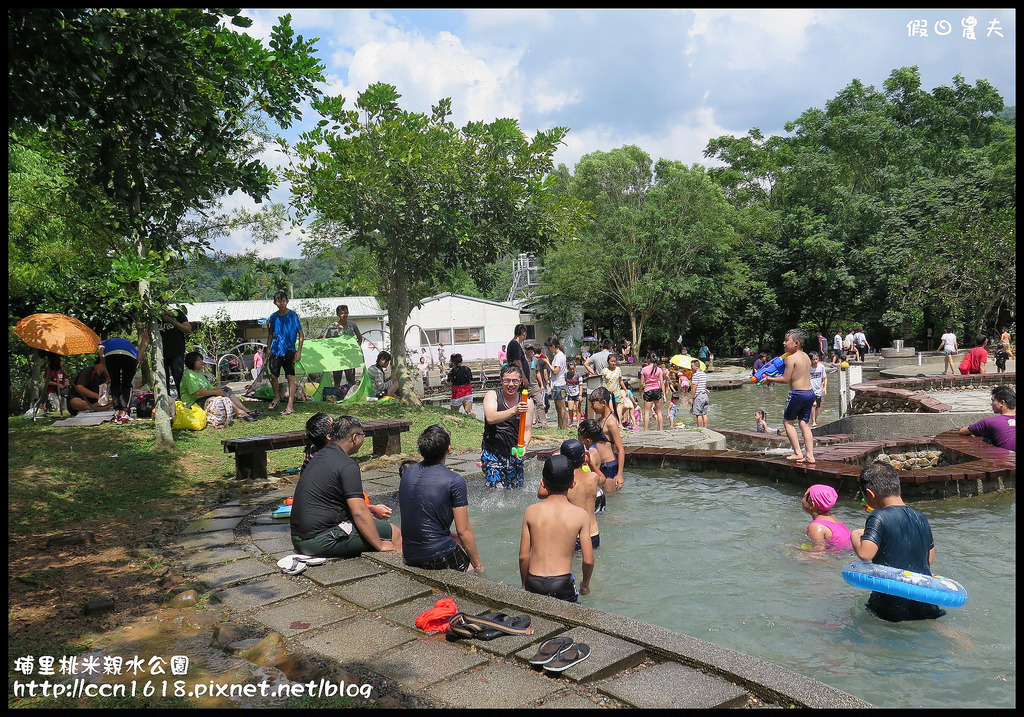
[826,531]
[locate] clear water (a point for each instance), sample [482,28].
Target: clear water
[718,557]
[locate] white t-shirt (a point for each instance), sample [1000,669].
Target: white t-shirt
[558,363]
[837,341]
[817,378]
[948,341]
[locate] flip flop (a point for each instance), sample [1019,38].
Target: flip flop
[291,565]
[549,650]
[519,622]
[468,626]
[287,411]
[572,655]
[273,405]
[309,559]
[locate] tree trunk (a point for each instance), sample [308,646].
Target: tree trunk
[162,412]
[34,381]
[399,308]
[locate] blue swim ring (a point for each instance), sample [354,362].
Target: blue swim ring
[931,589]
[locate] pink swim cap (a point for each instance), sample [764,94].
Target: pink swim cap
[822,497]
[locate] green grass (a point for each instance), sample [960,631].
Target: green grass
[59,476]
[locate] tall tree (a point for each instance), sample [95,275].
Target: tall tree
[160,112]
[658,235]
[424,198]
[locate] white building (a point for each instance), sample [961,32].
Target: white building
[475,328]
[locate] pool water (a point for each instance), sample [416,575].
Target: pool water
[718,557]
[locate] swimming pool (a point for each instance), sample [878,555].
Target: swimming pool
[717,556]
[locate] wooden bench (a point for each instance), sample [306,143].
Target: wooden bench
[251,452]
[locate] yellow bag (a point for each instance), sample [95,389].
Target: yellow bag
[192,419]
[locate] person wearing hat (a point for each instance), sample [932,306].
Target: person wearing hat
[586,487]
[551,529]
[825,531]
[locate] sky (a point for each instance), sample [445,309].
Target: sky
[666,80]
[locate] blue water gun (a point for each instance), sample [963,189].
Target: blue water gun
[775,367]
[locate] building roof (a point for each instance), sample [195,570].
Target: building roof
[359,307]
[438,297]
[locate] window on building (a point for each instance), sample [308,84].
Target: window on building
[531,332]
[469,336]
[435,336]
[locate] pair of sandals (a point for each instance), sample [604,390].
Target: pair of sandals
[286,412]
[486,626]
[559,654]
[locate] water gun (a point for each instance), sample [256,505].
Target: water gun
[519,451]
[775,367]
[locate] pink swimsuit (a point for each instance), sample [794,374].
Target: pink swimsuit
[840,539]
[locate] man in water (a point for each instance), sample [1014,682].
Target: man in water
[499,457]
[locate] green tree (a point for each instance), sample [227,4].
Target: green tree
[160,113]
[424,198]
[823,205]
[659,236]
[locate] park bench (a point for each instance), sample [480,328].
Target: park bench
[251,452]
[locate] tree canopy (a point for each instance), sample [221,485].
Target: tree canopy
[426,199]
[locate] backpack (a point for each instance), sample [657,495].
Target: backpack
[219,411]
[145,404]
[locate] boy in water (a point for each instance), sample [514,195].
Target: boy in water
[584,491]
[895,535]
[550,531]
[608,424]
[801,396]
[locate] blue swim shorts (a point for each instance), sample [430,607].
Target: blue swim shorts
[799,405]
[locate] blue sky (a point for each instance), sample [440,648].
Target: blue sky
[666,80]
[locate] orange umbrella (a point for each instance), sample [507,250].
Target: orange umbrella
[57,333]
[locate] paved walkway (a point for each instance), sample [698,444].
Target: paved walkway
[360,613]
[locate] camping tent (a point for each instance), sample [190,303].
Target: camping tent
[337,354]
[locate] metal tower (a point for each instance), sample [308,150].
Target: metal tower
[525,276]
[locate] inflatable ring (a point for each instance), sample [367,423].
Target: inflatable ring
[931,589]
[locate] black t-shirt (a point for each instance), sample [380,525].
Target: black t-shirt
[515,356]
[173,338]
[330,478]
[427,497]
[91,379]
[460,376]
[904,539]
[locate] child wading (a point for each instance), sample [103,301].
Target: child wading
[825,530]
[550,531]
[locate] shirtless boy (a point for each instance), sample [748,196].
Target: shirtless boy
[601,402]
[801,396]
[584,491]
[550,531]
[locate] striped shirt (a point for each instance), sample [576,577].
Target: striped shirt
[699,382]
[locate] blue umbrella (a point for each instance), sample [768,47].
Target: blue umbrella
[589,338]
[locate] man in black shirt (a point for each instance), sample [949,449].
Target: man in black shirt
[516,356]
[330,517]
[173,330]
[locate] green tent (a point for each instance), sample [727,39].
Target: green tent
[337,354]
